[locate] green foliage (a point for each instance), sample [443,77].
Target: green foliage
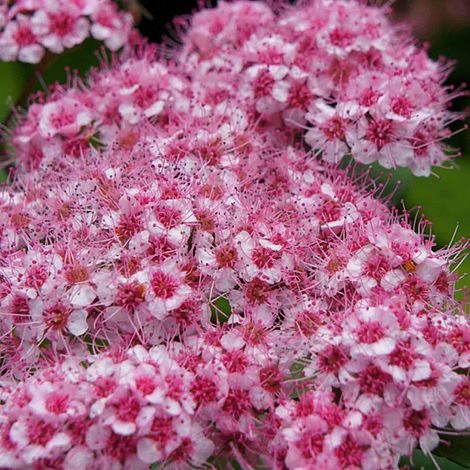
[13,79]
[220,310]
[456,450]
[446,202]
[420,461]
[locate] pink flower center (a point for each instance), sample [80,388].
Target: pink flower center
[169,217]
[175,387]
[187,313]
[145,95]
[210,152]
[57,403]
[128,226]
[270,378]
[77,274]
[265,258]
[300,96]
[235,361]
[61,23]
[335,264]
[183,452]
[334,129]
[204,390]
[306,323]
[56,317]
[369,97]
[380,133]
[341,37]
[420,142]
[205,219]
[254,333]
[40,433]
[120,447]
[145,384]
[271,56]
[76,147]
[310,443]
[263,84]
[104,386]
[24,36]
[403,356]
[62,118]
[350,453]
[460,340]
[237,403]
[462,393]
[127,409]
[164,285]
[161,430]
[416,422]
[376,267]
[131,295]
[257,291]
[402,106]
[373,380]
[331,359]
[370,332]
[226,256]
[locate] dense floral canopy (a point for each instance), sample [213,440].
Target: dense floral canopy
[190,277]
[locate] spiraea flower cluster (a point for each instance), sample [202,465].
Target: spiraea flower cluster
[189,279]
[356,84]
[30,28]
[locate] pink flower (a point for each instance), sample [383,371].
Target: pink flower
[329,131]
[371,332]
[18,41]
[110,25]
[380,139]
[59,27]
[266,85]
[167,289]
[65,117]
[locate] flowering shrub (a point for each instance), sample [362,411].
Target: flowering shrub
[189,278]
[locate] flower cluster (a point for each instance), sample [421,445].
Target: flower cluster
[130,410]
[184,281]
[396,374]
[29,28]
[338,69]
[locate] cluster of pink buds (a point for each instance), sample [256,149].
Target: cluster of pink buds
[188,279]
[29,28]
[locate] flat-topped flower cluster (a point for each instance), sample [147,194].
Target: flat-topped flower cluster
[30,28]
[189,278]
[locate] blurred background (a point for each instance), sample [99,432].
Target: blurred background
[444,24]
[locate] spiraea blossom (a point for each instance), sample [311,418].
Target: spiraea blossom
[30,28]
[340,70]
[188,279]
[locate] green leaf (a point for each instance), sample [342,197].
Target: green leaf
[456,449]
[423,462]
[13,80]
[220,310]
[445,202]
